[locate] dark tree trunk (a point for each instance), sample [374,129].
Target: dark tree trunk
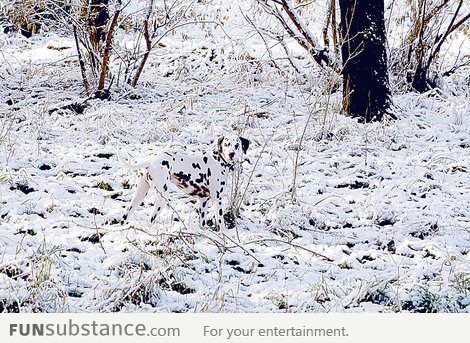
[366,92]
[98,18]
[420,80]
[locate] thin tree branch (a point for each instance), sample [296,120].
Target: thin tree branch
[81,62]
[449,30]
[146,54]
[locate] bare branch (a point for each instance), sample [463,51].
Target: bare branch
[299,31]
[81,62]
[451,28]
[146,54]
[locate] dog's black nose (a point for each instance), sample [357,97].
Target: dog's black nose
[231,155]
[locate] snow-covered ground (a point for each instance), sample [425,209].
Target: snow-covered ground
[378,218]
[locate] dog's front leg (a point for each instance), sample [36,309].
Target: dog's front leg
[219,214]
[202,211]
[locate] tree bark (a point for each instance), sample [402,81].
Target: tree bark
[366,91]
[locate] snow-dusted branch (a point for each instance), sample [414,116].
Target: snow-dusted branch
[288,17]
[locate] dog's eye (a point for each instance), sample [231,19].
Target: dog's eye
[237,145]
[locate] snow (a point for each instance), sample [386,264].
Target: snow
[380,219]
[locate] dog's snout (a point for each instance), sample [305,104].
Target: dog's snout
[231,155]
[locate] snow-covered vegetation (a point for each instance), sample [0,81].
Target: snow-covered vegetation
[333,215]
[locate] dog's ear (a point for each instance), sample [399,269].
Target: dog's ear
[219,143]
[245,144]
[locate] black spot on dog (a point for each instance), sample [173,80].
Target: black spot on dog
[196,166]
[205,159]
[166,163]
[219,143]
[209,173]
[153,219]
[217,194]
[165,187]
[245,144]
[222,183]
[221,189]
[201,178]
[182,176]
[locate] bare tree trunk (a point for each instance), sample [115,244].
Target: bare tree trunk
[334,27]
[366,92]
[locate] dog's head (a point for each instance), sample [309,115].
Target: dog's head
[230,148]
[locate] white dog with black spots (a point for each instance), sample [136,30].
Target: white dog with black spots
[203,177]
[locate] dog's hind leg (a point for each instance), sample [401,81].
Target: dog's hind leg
[139,195]
[159,203]
[161,180]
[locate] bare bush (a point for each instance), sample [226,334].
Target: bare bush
[432,23]
[287,15]
[95,30]
[24,15]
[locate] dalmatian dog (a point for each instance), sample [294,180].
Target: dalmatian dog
[203,177]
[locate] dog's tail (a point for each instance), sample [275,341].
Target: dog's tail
[128,165]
